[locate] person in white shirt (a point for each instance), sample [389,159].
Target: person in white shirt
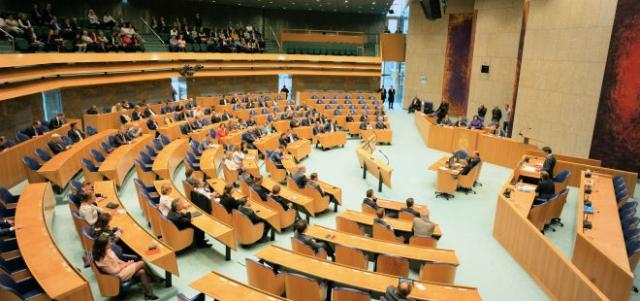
[93,19]
[238,155]
[230,163]
[88,210]
[165,200]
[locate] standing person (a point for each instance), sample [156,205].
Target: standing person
[496,115]
[285,91]
[383,94]
[482,111]
[507,113]
[392,97]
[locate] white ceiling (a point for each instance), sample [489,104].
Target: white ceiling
[344,6]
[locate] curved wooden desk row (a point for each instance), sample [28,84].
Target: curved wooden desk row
[93,69]
[223,288]
[169,158]
[366,219]
[340,94]
[214,100]
[57,276]
[544,262]
[361,279]
[119,162]
[63,166]
[11,164]
[111,120]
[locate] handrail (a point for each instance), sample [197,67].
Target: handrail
[324,32]
[11,38]
[152,31]
[275,36]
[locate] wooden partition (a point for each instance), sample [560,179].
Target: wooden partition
[11,164]
[392,47]
[307,95]
[322,36]
[104,121]
[553,272]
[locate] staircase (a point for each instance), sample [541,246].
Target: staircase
[152,44]
[6,46]
[271,46]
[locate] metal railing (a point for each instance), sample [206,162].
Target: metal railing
[275,37]
[324,32]
[11,38]
[152,31]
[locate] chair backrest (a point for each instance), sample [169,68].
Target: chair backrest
[349,294]
[246,232]
[445,182]
[298,246]
[150,150]
[423,241]
[66,140]
[229,175]
[264,277]
[43,154]
[220,213]
[89,165]
[165,140]
[31,163]
[9,288]
[562,176]
[351,257]
[438,272]
[7,197]
[302,288]
[392,265]
[97,155]
[21,137]
[109,284]
[198,297]
[557,205]
[539,213]
[405,215]
[145,158]
[91,130]
[383,233]
[466,181]
[366,208]
[349,226]
[157,144]
[87,238]
[106,147]
[175,238]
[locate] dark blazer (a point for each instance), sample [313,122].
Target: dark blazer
[546,189]
[370,202]
[250,214]
[181,220]
[92,112]
[55,123]
[120,139]
[300,179]
[136,115]
[318,130]
[55,147]
[75,135]
[201,200]
[549,164]
[282,201]
[229,203]
[381,125]
[148,112]
[124,118]
[152,125]
[309,241]
[330,127]
[276,158]
[261,191]
[31,131]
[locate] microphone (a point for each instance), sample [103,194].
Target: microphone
[385,156]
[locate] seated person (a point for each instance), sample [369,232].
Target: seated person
[35,129]
[57,121]
[275,195]
[349,117]
[133,132]
[152,123]
[445,120]
[189,178]
[415,105]
[476,123]
[250,138]
[379,219]
[166,199]
[365,126]
[422,225]
[313,183]
[75,134]
[276,157]
[245,208]
[227,200]
[471,162]
[107,262]
[318,129]
[230,163]
[299,177]
[137,113]
[380,125]
[364,118]
[331,127]
[182,220]
[300,229]
[410,208]
[124,118]
[256,185]
[148,112]
[89,210]
[371,200]
[239,153]
[546,188]
[251,121]
[93,110]
[401,293]
[288,138]
[294,123]
[120,138]
[56,145]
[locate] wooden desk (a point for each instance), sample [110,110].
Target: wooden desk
[382,136]
[600,252]
[63,166]
[503,151]
[396,206]
[299,149]
[223,288]
[211,159]
[442,165]
[169,158]
[331,140]
[441,137]
[333,190]
[376,246]
[267,143]
[205,222]
[397,224]
[172,130]
[59,279]
[11,164]
[118,163]
[375,167]
[361,279]
[260,209]
[530,169]
[134,234]
[292,196]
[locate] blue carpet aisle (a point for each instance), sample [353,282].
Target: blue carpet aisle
[466,220]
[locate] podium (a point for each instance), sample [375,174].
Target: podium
[374,166]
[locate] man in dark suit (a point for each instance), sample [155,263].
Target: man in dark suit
[251,121]
[93,110]
[442,111]
[380,125]
[124,118]
[392,97]
[56,145]
[75,134]
[318,129]
[313,183]
[250,138]
[410,208]
[57,121]
[299,177]
[276,157]
[120,138]
[471,163]
[288,138]
[285,91]
[257,187]
[182,220]
[546,188]
[383,94]
[482,111]
[227,200]
[225,116]
[549,161]
[331,127]
[349,117]
[137,114]
[152,124]
[370,199]
[379,219]
[148,112]
[245,208]
[300,229]
[223,101]
[35,130]
[496,115]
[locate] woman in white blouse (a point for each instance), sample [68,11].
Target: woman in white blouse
[88,210]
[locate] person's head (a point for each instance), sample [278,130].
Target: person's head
[37,123]
[87,186]
[369,193]
[380,213]
[228,188]
[313,176]
[547,150]
[166,189]
[3,139]
[404,289]
[258,179]
[100,246]
[175,204]
[544,175]
[275,189]
[300,226]
[476,154]
[56,137]
[74,126]
[409,202]
[103,220]
[302,169]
